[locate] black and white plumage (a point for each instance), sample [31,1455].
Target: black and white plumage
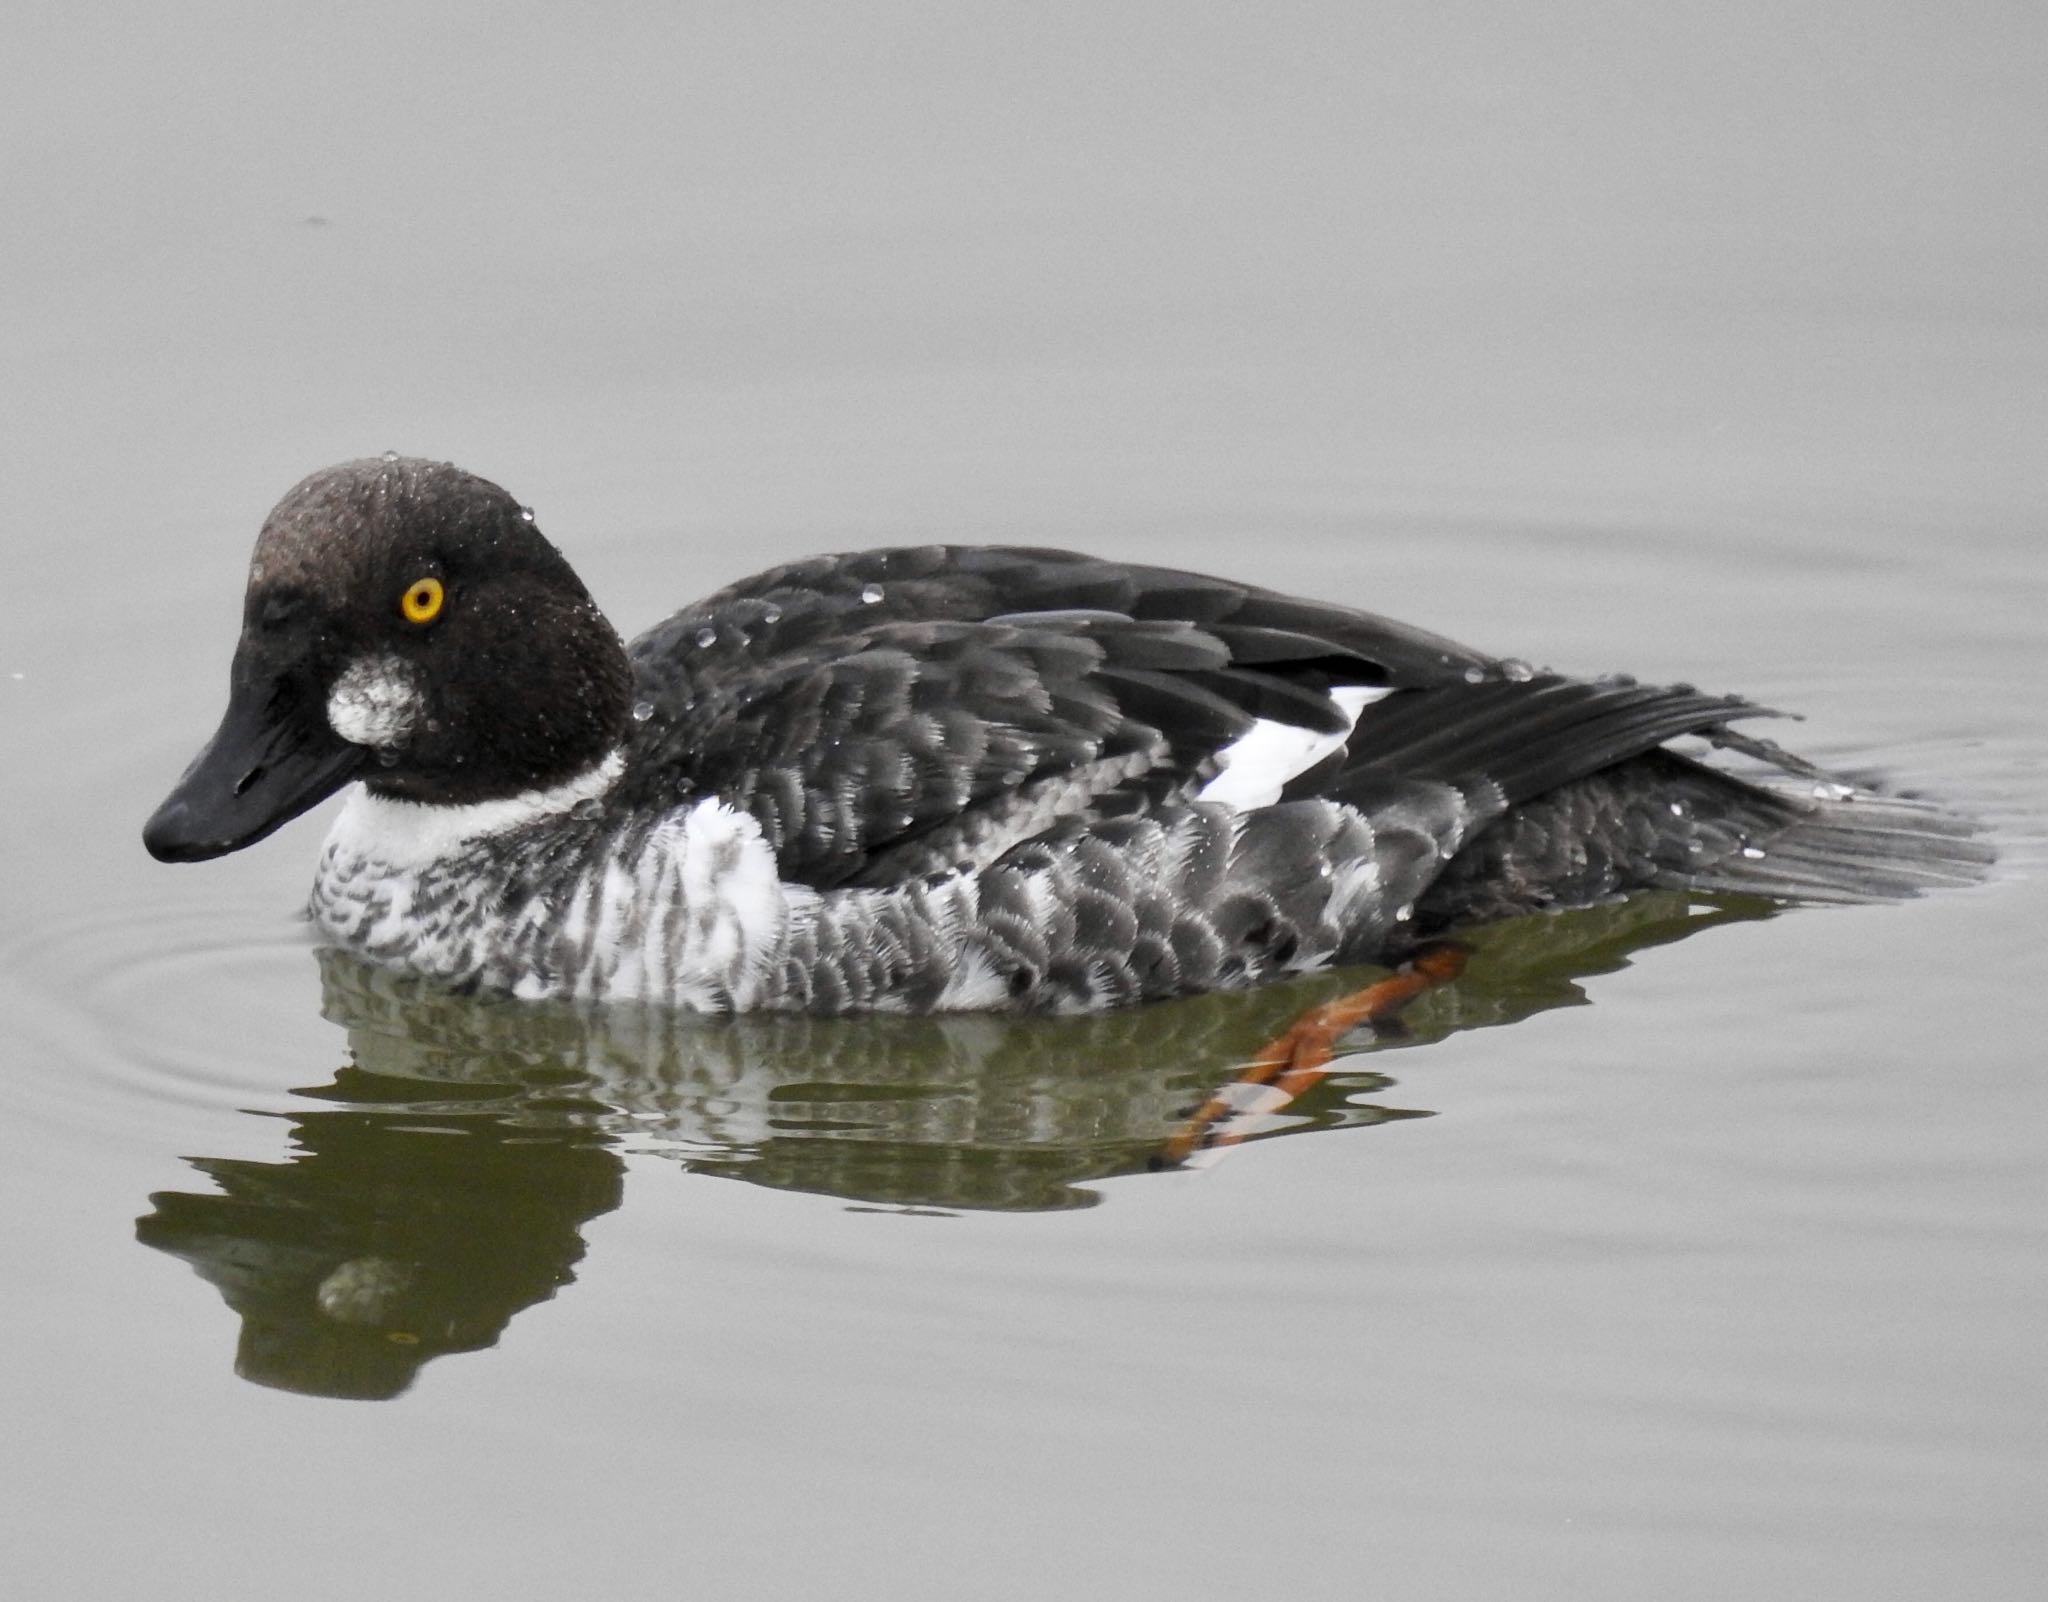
[942,777]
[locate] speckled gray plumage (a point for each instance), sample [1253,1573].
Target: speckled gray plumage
[1082,916]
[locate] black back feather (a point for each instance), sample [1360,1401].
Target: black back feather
[900,711]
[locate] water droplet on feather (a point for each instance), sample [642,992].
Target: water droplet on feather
[870,593]
[642,711]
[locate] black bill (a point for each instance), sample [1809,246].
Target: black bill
[272,758]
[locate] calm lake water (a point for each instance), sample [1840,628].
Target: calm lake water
[1678,1250]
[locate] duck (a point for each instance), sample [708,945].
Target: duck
[945,778]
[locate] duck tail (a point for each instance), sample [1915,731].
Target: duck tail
[1847,844]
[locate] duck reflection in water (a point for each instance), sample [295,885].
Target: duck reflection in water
[442,1186]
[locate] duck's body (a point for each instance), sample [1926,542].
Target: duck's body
[940,777]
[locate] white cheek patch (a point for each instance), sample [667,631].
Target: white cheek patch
[1258,763]
[376,702]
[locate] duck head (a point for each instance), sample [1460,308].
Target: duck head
[406,624]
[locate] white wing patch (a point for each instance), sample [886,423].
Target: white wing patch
[1258,763]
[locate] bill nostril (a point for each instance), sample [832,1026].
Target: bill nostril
[253,776]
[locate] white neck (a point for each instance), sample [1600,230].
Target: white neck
[411,833]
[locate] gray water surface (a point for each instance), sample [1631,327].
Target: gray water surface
[1682,1249]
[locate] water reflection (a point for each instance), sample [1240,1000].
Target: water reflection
[394,1234]
[442,1184]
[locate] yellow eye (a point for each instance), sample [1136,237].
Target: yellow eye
[421,602]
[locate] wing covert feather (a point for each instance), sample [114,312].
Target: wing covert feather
[903,711]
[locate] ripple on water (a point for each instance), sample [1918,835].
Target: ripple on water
[126,1014]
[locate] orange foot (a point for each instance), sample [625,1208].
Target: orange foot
[1295,1060]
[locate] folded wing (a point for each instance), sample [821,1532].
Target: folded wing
[910,711]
